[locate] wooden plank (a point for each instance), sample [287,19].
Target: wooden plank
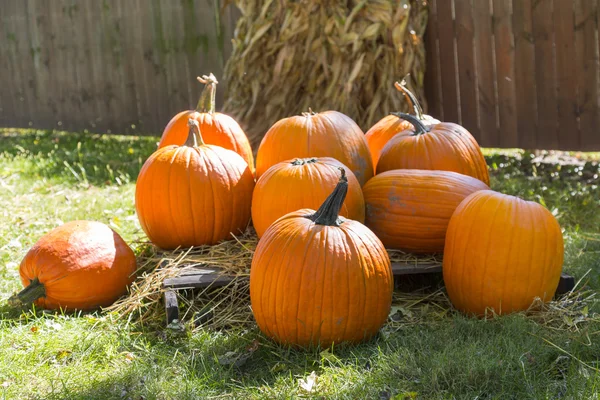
[433,90]
[564,32]
[416,268]
[171,306]
[466,66]
[486,76]
[525,89]
[545,71]
[7,77]
[586,49]
[505,74]
[447,53]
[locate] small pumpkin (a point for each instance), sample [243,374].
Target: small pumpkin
[80,265]
[501,253]
[302,183]
[217,128]
[430,144]
[324,134]
[409,209]
[318,278]
[391,125]
[193,194]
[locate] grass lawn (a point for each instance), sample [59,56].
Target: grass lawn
[47,178]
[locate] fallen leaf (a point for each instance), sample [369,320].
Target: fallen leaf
[34,329]
[310,383]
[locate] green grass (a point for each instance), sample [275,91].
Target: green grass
[47,178]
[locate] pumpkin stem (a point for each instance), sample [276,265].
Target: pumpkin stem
[207,98]
[328,213]
[420,128]
[410,97]
[309,113]
[31,293]
[194,138]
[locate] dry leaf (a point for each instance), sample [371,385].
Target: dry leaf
[310,383]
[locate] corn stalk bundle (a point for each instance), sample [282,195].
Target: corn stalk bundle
[324,54]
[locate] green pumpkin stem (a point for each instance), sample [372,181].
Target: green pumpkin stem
[328,213]
[420,128]
[194,138]
[27,296]
[410,97]
[207,98]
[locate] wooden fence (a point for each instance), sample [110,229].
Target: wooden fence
[124,66]
[517,73]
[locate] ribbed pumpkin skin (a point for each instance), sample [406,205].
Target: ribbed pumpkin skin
[190,196]
[83,265]
[325,134]
[381,133]
[409,209]
[446,147]
[501,253]
[287,187]
[315,285]
[217,129]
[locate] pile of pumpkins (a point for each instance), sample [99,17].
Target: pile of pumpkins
[326,200]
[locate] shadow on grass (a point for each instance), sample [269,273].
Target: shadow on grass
[83,158]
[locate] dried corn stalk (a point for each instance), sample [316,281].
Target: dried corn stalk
[328,55]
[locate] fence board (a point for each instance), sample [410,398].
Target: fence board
[586,47]
[568,128]
[485,72]
[466,67]
[433,91]
[525,88]
[448,54]
[505,73]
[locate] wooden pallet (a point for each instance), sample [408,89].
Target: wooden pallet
[203,277]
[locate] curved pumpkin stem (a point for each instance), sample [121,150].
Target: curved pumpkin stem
[410,97]
[194,138]
[31,293]
[328,213]
[207,98]
[420,128]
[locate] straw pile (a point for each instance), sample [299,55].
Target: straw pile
[326,54]
[228,307]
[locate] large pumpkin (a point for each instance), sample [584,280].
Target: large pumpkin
[318,278]
[325,134]
[409,209]
[193,194]
[79,265]
[217,128]
[501,253]
[391,125]
[302,183]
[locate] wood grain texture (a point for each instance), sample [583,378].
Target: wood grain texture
[447,53]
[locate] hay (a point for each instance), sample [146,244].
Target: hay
[329,55]
[228,307]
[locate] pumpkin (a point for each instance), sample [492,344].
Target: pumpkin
[79,265]
[217,128]
[302,183]
[318,278]
[391,125]
[409,209]
[193,194]
[501,254]
[427,144]
[324,134]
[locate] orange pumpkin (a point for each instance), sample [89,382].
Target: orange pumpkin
[445,146]
[409,209]
[79,265]
[318,278]
[391,125]
[193,194]
[501,253]
[325,134]
[302,183]
[218,129]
